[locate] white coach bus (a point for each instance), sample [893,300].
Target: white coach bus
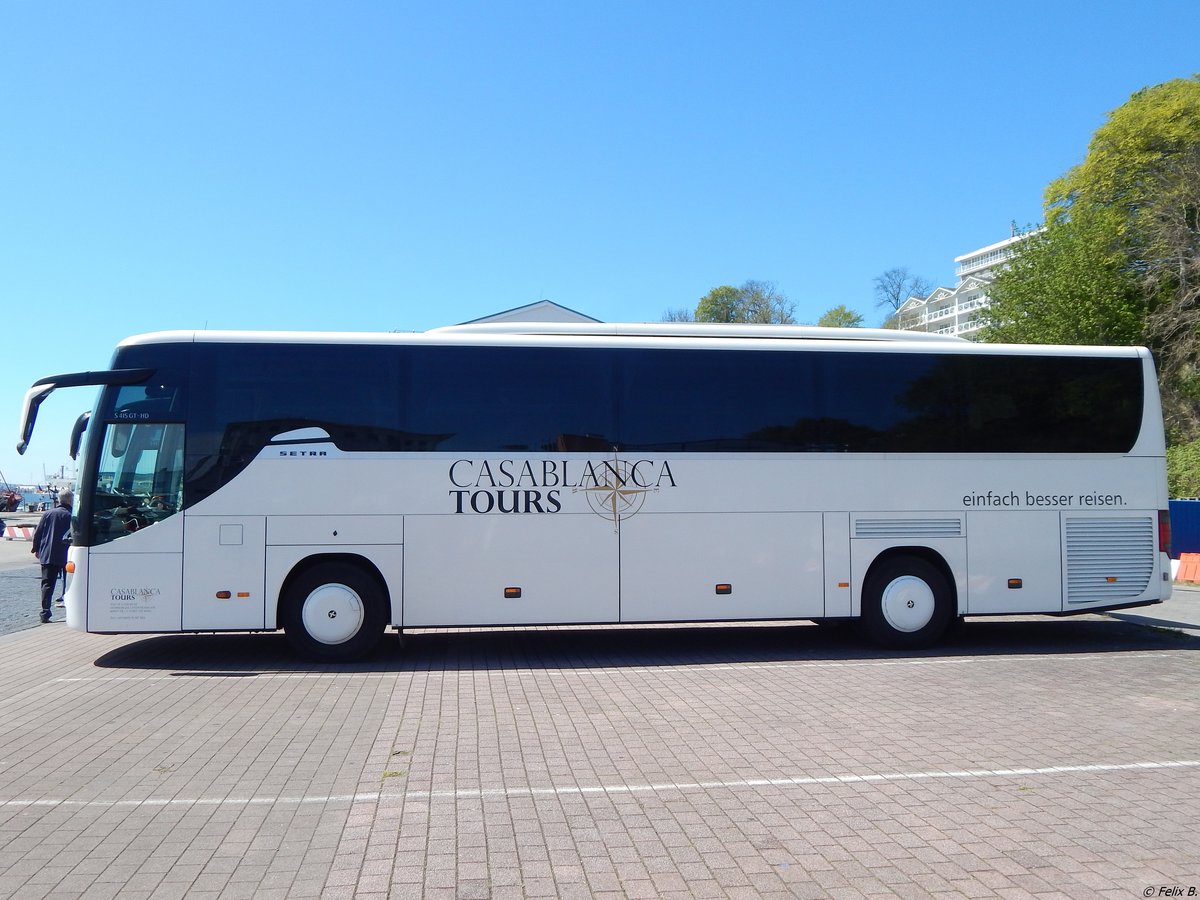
[336,484]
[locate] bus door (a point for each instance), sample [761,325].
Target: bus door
[133,568]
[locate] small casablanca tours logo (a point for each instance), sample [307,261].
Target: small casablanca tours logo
[132,595]
[614,489]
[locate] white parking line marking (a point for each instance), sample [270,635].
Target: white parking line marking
[800,781]
[720,784]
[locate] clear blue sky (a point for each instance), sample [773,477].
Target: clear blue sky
[395,165]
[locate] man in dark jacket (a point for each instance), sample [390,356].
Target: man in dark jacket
[50,540]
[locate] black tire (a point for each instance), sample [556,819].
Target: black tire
[907,604]
[334,612]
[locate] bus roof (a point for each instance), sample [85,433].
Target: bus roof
[649,335]
[568,332]
[693,329]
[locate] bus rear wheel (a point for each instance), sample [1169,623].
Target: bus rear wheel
[907,604]
[334,612]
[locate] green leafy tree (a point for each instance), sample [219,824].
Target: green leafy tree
[755,302]
[1155,126]
[1069,284]
[1183,469]
[1170,225]
[841,317]
[1143,166]
[721,304]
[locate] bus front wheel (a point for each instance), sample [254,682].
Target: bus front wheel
[907,603]
[334,612]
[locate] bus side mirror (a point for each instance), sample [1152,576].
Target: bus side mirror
[77,433]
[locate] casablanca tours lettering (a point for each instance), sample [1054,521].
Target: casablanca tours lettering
[536,486]
[131,595]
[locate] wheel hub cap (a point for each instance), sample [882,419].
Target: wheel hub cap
[333,614]
[908,603]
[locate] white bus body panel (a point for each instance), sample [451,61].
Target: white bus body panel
[136,584]
[775,527]
[839,595]
[224,555]
[76,595]
[292,539]
[992,560]
[334,531]
[458,567]
[671,565]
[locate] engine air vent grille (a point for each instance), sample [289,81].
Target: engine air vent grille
[908,528]
[1109,559]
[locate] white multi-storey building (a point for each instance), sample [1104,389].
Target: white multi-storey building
[957,310]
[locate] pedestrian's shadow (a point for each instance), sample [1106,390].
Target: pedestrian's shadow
[566,647]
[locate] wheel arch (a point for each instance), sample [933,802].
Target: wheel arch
[909,598]
[318,559]
[929,555]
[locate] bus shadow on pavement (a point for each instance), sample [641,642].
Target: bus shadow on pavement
[566,647]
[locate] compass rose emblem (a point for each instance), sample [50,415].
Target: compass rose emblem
[618,495]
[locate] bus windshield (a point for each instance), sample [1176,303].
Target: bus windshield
[139,480]
[134,474]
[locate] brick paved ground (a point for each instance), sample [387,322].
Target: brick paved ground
[20,598]
[1049,757]
[20,580]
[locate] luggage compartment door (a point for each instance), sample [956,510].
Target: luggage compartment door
[465,570]
[687,567]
